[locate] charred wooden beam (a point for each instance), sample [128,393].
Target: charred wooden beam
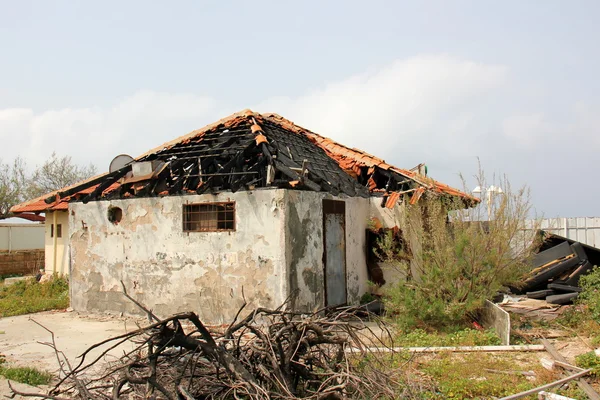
[294,176]
[76,189]
[106,184]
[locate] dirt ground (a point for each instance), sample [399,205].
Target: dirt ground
[20,339]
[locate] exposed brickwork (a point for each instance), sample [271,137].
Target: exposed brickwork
[22,262]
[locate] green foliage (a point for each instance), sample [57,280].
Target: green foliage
[367,297]
[589,360]
[472,377]
[457,260]
[29,296]
[590,295]
[17,185]
[29,376]
[464,337]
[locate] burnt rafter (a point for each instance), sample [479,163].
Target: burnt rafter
[249,150]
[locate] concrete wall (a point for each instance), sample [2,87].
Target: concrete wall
[59,246]
[173,271]
[21,237]
[21,262]
[304,247]
[389,217]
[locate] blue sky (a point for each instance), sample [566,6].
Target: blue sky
[513,83]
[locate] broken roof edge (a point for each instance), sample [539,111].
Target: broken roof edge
[28,206]
[34,205]
[424,181]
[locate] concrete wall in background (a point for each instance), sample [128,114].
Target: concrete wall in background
[15,237]
[21,262]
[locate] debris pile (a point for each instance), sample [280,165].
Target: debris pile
[556,271]
[270,354]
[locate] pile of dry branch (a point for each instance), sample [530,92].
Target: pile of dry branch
[270,354]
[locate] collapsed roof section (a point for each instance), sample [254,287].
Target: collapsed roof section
[246,151]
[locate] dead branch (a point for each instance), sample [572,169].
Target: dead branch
[268,354]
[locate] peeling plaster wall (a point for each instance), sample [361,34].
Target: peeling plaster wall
[389,217]
[304,247]
[172,271]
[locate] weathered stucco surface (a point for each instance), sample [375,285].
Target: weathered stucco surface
[172,271]
[276,250]
[304,247]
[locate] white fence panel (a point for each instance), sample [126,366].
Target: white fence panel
[582,229]
[21,237]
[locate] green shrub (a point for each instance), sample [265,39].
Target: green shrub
[589,360]
[27,375]
[463,337]
[457,260]
[590,294]
[30,296]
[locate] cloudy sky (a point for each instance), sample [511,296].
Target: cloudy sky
[513,83]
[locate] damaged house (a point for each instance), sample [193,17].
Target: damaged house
[252,206]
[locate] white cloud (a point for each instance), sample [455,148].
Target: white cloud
[424,103]
[527,130]
[435,109]
[94,134]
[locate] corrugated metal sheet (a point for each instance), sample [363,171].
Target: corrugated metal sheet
[582,229]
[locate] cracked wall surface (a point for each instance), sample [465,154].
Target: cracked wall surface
[170,270]
[304,248]
[276,250]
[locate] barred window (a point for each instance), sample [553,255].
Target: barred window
[209,217]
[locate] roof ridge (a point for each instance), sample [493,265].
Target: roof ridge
[197,132]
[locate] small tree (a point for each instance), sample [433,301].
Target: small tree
[460,258]
[17,186]
[57,172]
[13,184]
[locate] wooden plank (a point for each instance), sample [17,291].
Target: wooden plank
[540,294]
[553,253]
[549,273]
[579,251]
[456,349]
[583,385]
[581,270]
[564,288]
[564,298]
[547,386]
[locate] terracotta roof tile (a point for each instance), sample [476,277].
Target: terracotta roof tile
[352,161]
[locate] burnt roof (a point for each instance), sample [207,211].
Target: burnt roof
[248,150]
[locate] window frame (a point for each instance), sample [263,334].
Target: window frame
[185,220]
